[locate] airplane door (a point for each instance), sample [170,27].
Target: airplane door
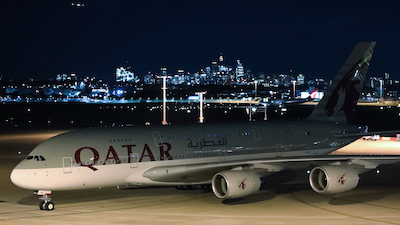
[296,132]
[157,138]
[222,154]
[67,164]
[279,148]
[256,133]
[133,160]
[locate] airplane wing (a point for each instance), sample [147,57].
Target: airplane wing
[204,172]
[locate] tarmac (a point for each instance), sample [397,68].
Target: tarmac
[375,201]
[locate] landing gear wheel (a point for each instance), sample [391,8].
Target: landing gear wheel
[42,205]
[45,200]
[49,206]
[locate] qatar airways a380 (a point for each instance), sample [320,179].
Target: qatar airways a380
[231,157]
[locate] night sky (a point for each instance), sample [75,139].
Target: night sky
[40,39]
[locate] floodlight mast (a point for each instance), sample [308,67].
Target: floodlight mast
[294,89]
[164,91]
[255,88]
[200,94]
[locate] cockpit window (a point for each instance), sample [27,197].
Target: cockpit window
[36,158]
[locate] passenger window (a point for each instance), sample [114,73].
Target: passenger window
[42,158]
[37,158]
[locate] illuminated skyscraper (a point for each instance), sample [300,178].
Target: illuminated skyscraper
[387,76]
[124,75]
[239,71]
[214,67]
[66,77]
[149,78]
[163,71]
[300,79]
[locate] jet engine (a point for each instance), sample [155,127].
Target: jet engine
[235,184]
[333,179]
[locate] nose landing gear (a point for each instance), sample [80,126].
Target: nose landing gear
[45,197]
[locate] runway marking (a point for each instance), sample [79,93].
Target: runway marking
[268,223]
[382,217]
[41,221]
[166,220]
[79,216]
[82,210]
[69,222]
[229,216]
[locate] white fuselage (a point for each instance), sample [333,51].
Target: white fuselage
[95,158]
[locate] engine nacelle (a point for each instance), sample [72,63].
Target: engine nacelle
[333,179]
[235,184]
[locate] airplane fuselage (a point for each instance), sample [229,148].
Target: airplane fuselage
[103,157]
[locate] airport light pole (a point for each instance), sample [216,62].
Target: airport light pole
[294,88]
[255,88]
[265,110]
[164,91]
[250,111]
[200,94]
[255,96]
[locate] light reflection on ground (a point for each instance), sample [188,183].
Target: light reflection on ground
[364,147]
[39,135]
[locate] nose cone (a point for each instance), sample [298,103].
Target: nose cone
[21,178]
[17,177]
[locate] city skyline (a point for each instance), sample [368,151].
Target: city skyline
[45,38]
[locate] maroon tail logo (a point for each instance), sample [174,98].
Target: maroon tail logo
[242,185]
[342,179]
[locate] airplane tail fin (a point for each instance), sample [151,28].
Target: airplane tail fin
[340,100]
[313,94]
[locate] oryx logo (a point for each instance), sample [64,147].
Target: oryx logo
[242,184]
[342,179]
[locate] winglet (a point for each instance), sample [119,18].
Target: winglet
[340,100]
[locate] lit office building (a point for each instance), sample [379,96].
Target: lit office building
[300,79]
[149,79]
[163,71]
[124,75]
[239,71]
[66,77]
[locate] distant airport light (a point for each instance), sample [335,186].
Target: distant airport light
[194,97]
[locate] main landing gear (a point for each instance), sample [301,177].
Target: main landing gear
[45,197]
